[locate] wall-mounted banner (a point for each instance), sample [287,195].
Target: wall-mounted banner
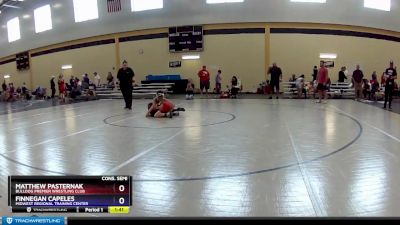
[330,64]
[175,64]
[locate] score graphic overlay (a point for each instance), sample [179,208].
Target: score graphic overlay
[72,194]
[186,39]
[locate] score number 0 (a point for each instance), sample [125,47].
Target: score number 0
[121,200]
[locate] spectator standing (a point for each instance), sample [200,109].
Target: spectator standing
[391,76]
[53,87]
[86,79]
[315,73]
[61,88]
[276,78]
[72,81]
[322,79]
[204,76]
[11,91]
[342,75]
[235,87]
[4,86]
[358,77]
[218,82]
[97,79]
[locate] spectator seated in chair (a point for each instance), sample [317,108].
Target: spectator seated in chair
[190,90]
[19,90]
[300,84]
[226,94]
[111,84]
[268,88]
[24,91]
[236,87]
[375,87]
[40,93]
[293,81]
[91,92]
[310,87]
[366,89]
[92,86]
[75,92]
[110,81]
[85,85]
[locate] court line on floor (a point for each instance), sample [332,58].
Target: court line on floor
[5,111]
[136,157]
[251,173]
[315,201]
[2,154]
[185,179]
[73,134]
[60,119]
[50,121]
[30,116]
[66,136]
[368,124]
[233,117]
[68,107]
[267,170]
[45,170]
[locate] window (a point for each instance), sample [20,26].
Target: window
[142,5]
[43,19]
[13,29]
[85,10]
[378,4]
[223,1]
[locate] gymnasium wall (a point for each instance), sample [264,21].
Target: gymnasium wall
[241,55]
[99,59]
[298,53]
[17,77]
[296,47]
[244,50]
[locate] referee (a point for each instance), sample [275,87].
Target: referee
[125,77]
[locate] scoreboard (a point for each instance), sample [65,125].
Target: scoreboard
[22,60]
[71,194]
[186,39]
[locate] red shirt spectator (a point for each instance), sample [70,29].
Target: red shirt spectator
[204,75]
[323,76]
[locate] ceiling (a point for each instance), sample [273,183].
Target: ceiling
[181,12]
[6,5]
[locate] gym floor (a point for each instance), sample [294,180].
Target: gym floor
[225,158]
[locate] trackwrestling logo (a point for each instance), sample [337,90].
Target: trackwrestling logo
[33,221]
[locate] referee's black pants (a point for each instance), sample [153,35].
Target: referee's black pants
[127,93]
[389,95]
